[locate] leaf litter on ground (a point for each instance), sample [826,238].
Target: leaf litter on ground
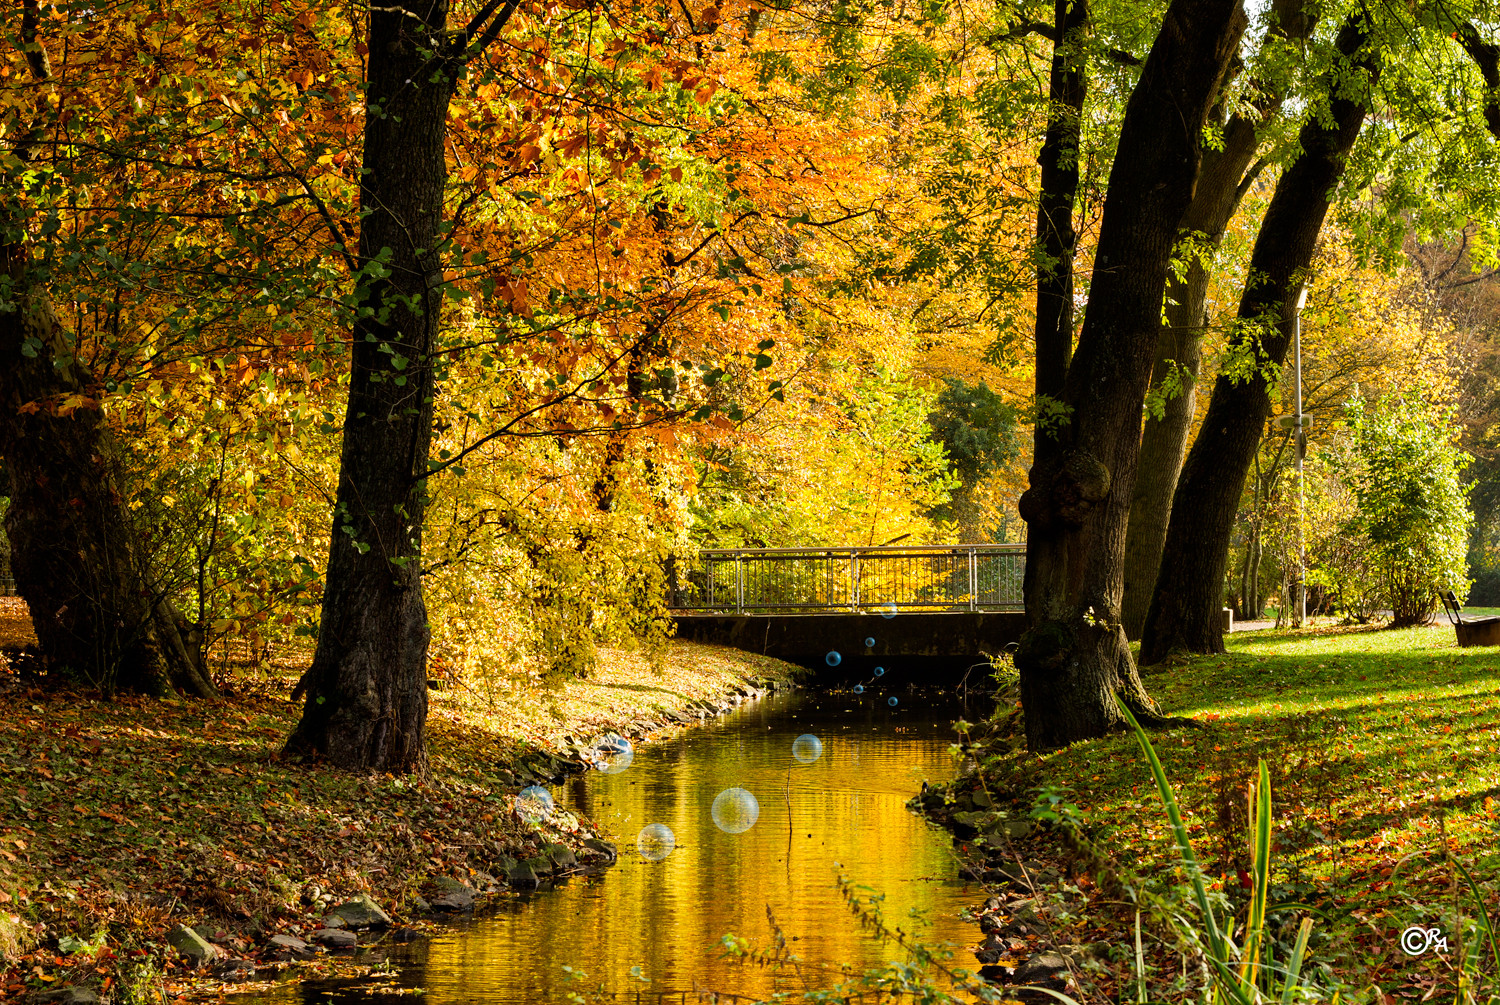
[1384,751]
[120,819]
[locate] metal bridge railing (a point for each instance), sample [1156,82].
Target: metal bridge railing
[963,577]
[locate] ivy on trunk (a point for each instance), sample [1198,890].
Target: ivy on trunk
[366,691]
[1074,660]
[76,556]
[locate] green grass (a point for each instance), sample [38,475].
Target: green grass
[1382,745]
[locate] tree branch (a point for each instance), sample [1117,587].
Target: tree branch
[1487,57]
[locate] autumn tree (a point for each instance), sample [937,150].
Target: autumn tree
[1214,474]
[97,605]
[367,687]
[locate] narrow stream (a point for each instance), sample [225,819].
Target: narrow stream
[844,812]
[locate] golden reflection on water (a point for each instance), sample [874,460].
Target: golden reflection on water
[845,811]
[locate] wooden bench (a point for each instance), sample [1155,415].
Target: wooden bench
[1474,631]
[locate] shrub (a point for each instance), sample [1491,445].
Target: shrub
[1404,471]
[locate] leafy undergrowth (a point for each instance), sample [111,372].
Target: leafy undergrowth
[120,819]
[1384,752]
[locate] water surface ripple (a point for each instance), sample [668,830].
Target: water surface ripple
[844,811]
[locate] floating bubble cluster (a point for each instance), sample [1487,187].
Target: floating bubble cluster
[807,748]
[534,803]
[875,673]
[611,753]
[870,643]
[655,842]
[833,659]
[735,811]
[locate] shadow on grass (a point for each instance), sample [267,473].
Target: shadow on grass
[1372,736]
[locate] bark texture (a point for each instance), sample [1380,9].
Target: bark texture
[1486,56]
[1226,175]
[366,705]
[1074,660]
[1184,612]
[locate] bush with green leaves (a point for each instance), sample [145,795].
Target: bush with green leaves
[1404,469]
[978,429]
[1341,565]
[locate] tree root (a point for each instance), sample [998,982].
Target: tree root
[1150,718]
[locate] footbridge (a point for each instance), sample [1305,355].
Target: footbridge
[921,610]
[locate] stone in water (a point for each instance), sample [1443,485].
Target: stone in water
[879,671]
[735,811]
[833,659]
[869,643]
[655,842]
[534,803]
[611,753]
[890,701]
[807,748]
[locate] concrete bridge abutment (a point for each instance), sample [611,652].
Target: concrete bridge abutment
[930,648]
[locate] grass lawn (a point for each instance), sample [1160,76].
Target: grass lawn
[1384,753]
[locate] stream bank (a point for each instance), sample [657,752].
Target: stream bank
[763,877]
[1050,916]
[122,822]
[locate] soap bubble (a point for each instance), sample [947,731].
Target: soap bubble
[534,803]
[611,753]
[888,611]
[869,643]
[859,689]
[655,842]
[807,748]
[891,700]
[878,671]
[735,811]
[833,659]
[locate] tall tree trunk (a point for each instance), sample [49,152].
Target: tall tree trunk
[1055,237]
[75,554]
[1250,599]
[1184,611]
[1074,659]
[1164,441]
[366,704]
[1227,174]
[1251,604]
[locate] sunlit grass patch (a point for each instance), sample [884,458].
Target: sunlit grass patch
[1384,752]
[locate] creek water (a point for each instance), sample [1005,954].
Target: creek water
[844,813]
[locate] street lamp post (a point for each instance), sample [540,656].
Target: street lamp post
[1299,423]
[1301,446]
